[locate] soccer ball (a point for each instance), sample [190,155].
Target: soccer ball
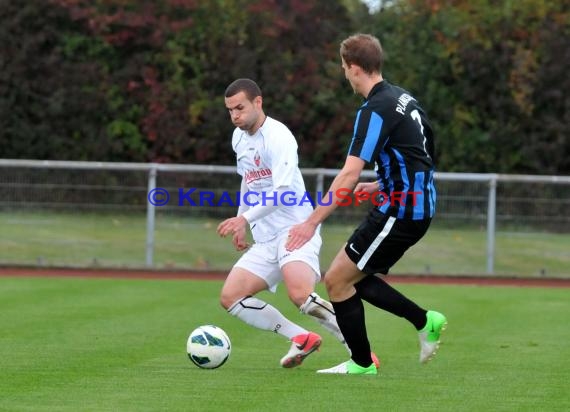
[208,347]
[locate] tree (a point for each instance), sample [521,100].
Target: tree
[157,70]
[477,67]
[143,80]
[50,105]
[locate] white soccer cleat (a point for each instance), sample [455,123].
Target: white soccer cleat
[427,349]
[339,369]
[429,336]
[303,345]
[351,368]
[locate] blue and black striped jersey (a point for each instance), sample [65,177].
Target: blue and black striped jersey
[393,132]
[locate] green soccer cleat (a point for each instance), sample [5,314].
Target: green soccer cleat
[351,368]
[430,334]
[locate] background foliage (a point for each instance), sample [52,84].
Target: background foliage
[125,80]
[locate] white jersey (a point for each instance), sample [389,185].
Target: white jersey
[266,161]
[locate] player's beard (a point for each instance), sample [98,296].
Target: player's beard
[249,126]
[245,126]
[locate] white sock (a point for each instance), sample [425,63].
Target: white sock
[262,315]
[322,311]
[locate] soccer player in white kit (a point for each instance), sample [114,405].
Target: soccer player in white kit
[267,160]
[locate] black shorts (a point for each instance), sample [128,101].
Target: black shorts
[381,240]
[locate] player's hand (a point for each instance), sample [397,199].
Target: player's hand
[362,191]
[368,187]
[299,235]
[232,226]
[239,240]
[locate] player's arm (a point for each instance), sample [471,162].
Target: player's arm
[239,237]
[264,207]
[251,210]
[368,137]
[236,225]
[367,187]
[243,206]
[342,184]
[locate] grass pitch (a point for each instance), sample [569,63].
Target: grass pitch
[119,345]
[110,240]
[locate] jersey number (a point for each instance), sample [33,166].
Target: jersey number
[416,116]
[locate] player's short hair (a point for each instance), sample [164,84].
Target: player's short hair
[248,86]
[363,50]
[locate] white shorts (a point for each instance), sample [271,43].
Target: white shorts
[265,260]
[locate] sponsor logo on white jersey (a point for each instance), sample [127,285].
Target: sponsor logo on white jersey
[253,175]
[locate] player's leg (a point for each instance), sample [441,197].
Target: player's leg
[299,279]
[346,271]
[375,248]
[348,307]
[377,292]
[301,272]
[253,273]
[314,306]
[429,324]
[349,310]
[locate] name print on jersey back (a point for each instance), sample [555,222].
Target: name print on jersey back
[403,101]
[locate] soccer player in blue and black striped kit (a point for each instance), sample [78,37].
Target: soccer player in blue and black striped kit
[392,132]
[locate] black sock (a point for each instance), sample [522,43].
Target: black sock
[380,294]
[350,318]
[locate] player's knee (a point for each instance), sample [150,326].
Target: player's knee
[334,285]
[227,299]
[329,283]
[298,296]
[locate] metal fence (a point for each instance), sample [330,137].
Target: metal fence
[32,189]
